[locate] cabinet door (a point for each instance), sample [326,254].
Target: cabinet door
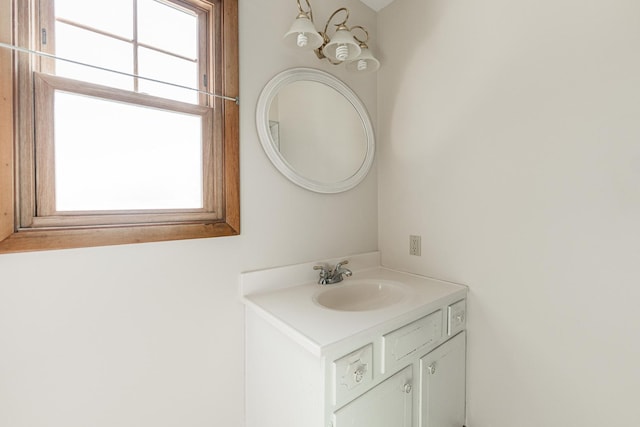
[388,404]
[442,388]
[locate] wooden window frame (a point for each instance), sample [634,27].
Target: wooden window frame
[17,145]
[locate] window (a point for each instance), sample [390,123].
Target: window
[107,157]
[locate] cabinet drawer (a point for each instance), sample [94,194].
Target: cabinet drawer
[456,317]
[353,372]
[413,337]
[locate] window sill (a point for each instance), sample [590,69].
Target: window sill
[37,240]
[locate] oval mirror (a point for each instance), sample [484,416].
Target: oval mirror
[315,130]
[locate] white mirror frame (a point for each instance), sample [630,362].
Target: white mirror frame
[272,88]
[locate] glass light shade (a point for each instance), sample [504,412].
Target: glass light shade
[342,47]
[303,34]
[365,63]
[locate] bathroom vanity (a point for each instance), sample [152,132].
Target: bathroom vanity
[380,349]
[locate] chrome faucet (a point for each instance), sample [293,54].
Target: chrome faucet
[333,275]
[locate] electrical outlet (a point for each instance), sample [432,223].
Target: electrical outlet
[415,245]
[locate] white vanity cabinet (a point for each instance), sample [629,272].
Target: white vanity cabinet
[307,366]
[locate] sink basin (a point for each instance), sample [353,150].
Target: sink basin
[361,295]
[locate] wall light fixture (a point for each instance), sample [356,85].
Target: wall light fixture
[342,47]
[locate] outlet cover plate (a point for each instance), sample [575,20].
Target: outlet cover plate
[415,245]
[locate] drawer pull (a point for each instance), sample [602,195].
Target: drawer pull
[358,374]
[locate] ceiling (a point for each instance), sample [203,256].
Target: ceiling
[376,4]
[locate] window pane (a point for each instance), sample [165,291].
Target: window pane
[167,68]
[94,49]
[168,28]
[113,16]
[117,156]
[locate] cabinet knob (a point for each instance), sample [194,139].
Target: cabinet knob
[432,368]
[407,388]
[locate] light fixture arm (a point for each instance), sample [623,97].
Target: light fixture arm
[363,43]
[306,13]
[341,24]
[325,34]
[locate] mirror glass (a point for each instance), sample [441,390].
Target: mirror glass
[315,130]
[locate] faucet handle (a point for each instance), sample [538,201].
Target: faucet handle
[324,273]
[340,264]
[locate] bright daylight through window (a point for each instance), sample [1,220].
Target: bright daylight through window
[137,146]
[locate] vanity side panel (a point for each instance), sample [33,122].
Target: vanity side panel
[284,382]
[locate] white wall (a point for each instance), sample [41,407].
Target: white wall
[509,139]
[152,334]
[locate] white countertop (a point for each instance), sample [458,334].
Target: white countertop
[294,311]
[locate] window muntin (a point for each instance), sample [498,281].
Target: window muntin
[159,66]
[165,40]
